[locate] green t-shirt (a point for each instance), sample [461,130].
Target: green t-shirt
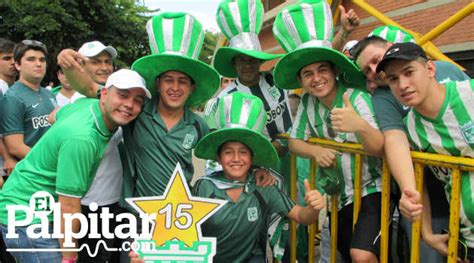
[450,133]
[239,227]
[152,151]
[25,111]
[63,162]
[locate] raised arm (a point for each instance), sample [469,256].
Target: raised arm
[349,22]
[71,62]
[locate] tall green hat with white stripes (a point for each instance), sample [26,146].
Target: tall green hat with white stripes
[240,117]
[305,31]
[392,34]
[240,21]
[175,40]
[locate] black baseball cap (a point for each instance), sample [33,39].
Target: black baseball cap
[405,51]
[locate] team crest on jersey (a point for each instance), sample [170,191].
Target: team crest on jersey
[252,214]
[467,131]
[274,92]
[188,141]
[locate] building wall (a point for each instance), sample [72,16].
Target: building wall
[416,15]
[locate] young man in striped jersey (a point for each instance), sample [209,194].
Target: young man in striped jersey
[440,121]
[331,109]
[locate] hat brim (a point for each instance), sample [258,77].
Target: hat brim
[224,55]
[264,154]
[286,70]
[205,78]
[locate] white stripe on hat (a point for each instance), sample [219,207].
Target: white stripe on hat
[227,106]
[245,112]
[284,41]
[185,41]
[328,24]
[234,10]
[308,15]
[290,27]
[399,36]
[262,119]
[383,33]
[151,36]
[252,15]
[225,26]
[198,46]
[168,33]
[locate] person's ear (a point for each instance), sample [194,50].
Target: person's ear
[431,66]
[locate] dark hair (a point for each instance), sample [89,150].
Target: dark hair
[219,149]
[332,65]
[20,49]
[6,46]
[192,80]
[359,47]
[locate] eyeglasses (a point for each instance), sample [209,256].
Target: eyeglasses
[34,43]
[330,130]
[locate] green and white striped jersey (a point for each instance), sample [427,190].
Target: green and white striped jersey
[312,121]
[450,133]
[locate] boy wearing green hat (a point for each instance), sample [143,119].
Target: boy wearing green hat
[332,110]
[240,21]
[238,145]
[166,131]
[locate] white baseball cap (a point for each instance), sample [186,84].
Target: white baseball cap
[349,45]
[93,48]
[127,79]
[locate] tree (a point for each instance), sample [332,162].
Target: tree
[208,47]
[69,23]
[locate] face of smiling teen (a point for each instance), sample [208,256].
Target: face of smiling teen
[174,89]
[236,159]
[410,80]
[319,80]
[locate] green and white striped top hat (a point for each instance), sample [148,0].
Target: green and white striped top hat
[240,117]
[175,40]
[305,31]
[392,34]
[240,21]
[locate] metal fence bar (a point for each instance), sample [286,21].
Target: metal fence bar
[454,205]
[447,24]
[293,179]
[429,47]
[357,189]
[385,213]
[420,159]
[416,226]
[334,228]
[312,227]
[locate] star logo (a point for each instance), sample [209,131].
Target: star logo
[179,215]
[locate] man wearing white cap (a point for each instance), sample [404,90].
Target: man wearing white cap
[99,66]
[107,184]
[66,158]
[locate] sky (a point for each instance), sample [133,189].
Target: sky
[203,10]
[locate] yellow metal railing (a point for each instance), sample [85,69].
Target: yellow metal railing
[423,41]
[420,159]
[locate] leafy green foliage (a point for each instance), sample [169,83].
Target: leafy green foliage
[69,23]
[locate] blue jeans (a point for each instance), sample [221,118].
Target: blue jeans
[24,242]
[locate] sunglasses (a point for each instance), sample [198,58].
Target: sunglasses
[34,43]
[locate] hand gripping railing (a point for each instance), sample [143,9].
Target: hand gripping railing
[420,160]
